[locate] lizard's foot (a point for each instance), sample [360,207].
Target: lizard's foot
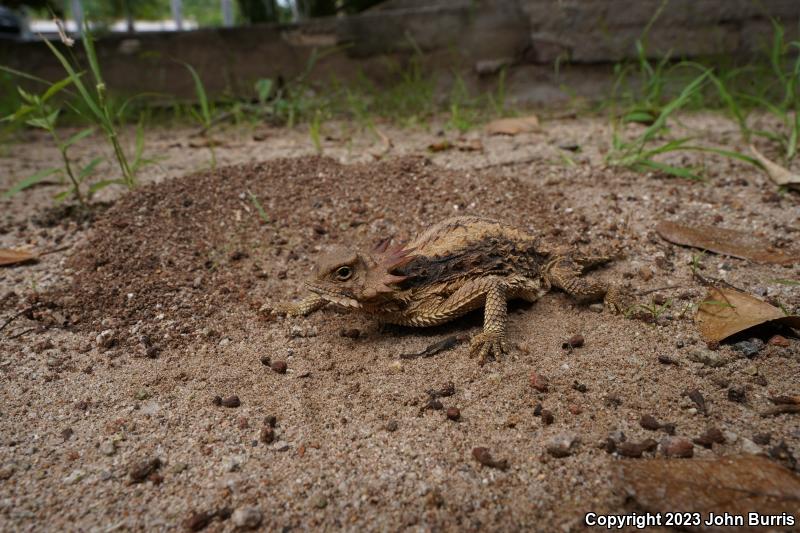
[304,307]
[487,343]
[617,300]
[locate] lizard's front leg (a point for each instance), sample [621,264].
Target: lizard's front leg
[567,275]
[492,339]
[304,307]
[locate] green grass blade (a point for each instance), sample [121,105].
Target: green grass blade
[680,172]
[30,181]
[84,92]
[89,168]
[77,137]
[673,106]
[201,94]
[56,88]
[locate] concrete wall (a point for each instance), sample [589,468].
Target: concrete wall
[471,36]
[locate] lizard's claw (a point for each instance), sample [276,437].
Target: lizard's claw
[487,343]
[617,300]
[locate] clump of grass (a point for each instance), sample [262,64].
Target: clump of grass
[37,111]
[203,117]
[102,112]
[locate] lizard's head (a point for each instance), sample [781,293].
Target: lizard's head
[351,279]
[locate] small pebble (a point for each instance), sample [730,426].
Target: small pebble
[737,394]
[676,447]
[106,339]
[140,470]
[242,423]
[246,518]
[539,382]
[547,417]
[279,367]
[580,387]
[391,426]
[707,357]
[762,438]
[265,360]
[749,348]
[271,421]
[667,360]
[108,448]
[645,273]
[596,307]
[778,340]
[750,447]
[434,404]
[66,434]
[453,413]
[562,445]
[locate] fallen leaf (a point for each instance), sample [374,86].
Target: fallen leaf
[725,241]
[735,485]
[725,312]
[13,257]
[777,173]
[513,126]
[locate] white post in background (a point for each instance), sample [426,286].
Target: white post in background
[177,14]
[295,10]
[77,15]
[227,13]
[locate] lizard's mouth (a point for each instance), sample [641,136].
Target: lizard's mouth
[335,297]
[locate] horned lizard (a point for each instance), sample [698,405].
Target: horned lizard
[456,266]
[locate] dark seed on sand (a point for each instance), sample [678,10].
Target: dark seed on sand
[697,397]
[649,422]
[667,360]
[485,458]
[350,333]
[267,435]
[279,367]
[436,405]
[576,341]
[198,521]
[140,470]
[635,450]
[231,401]
[453,413]
[709,437]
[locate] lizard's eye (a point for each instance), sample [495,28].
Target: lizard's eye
[343,273]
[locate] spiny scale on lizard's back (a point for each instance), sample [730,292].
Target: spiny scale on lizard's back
[466,247]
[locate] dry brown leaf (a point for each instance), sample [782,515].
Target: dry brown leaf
[725,241]
[777,173]
[725,312]
[13,257]
[513,126]
[735,485]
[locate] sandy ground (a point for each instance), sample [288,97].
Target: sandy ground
[123,433]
